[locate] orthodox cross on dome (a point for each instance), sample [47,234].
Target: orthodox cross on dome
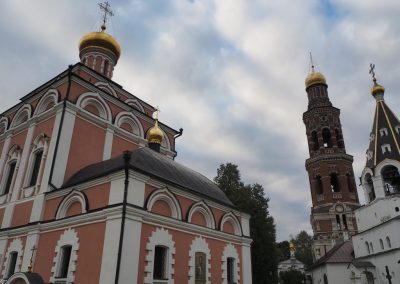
[157,111]
[106,8]
[33,249]
[372,71]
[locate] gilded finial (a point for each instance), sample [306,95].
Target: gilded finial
[311,63]
[157,111]
[106,8]
[314,77]
[376,88]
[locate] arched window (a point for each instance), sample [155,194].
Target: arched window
[339,139]
[371,247]
[367,247]
[326,137]
[370,187]
[334,182]
[320,187]
[381,243]
[10,170]
[350,182]
[37,158]
[314,141]
[13,258]
[9,177]
[370,277]
[338,224]
[325,279]
[12,262]
[388,242]
[105,68]
[160,269]
[344,221]
[391,179]
[230,265]
[64,262]
[199,262]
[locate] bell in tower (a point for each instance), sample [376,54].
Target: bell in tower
[330,170]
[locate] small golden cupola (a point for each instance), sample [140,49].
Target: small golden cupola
[377,91]
[314,78]
[99,50]
[155,135]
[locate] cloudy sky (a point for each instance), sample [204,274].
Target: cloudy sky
[229,72]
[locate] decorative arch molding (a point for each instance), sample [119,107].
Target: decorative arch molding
[73,197]
[202,208]
[14,153]
[106,87]
[3,124]
[199,244]
[96,101]
[135,104]
[15,246]
[68,238]
[23,114]
[164,194]
[232,219]
[230,252]
[384,163]
[130,119]
[160,237]
[49,99]
[27,277]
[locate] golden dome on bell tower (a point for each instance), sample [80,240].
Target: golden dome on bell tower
[155,134]
[315,78]
[100,40]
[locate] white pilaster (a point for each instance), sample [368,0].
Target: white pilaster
[50,153]
[116,191]
[37,208]
[378,186]
[64,147]
[22,165]
[8,213]
[110,250]
[246,264]
[136,192]
[108,144]
[31,241]
[130,251]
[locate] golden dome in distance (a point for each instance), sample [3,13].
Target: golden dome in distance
[100,40]
[376,89]
[315,78]
[155,134]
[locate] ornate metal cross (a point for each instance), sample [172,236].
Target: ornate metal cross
[106,8]
[31,260]
[371,71]
[157,112]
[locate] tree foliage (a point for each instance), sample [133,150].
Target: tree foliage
[291,276]
[303,242]
[283,251]
[251,199]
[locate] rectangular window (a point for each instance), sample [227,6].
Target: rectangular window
[65,257]
[338,225]
[11,264]
[230,270]
[36,167]
[200,266]
[10,175]
[160,263]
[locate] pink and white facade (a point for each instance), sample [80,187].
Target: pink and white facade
[76,208]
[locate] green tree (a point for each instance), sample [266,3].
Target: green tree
[291,276]
[283,251]
[251,199]
[303,242]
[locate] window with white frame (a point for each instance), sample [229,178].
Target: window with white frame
[37,159]
[66,256]
[230,270]
[160,258]
[386,148]
[64,261]
[230,265]
[383,131]
[12,263]
[199,262]
[8,177]
[38,154]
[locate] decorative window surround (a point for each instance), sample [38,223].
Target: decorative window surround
[51,97]
[14,154]
[71,198]
[134,103]
[106,87]
[164,194]
[129,118]
[386,148]
[159,237]
[39,144]
[95,100]
[230,217]
[15,246]
[204,210]
[383,131]
[199,244]
[230,252]
[22,115]
[69,237]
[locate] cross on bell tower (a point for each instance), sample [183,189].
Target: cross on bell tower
[106,8]
[330,171]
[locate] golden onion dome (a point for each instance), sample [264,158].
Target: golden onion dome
[376,89]
[315,78]
[100,40]
[155,134]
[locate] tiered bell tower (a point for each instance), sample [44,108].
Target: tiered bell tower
[332,184]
